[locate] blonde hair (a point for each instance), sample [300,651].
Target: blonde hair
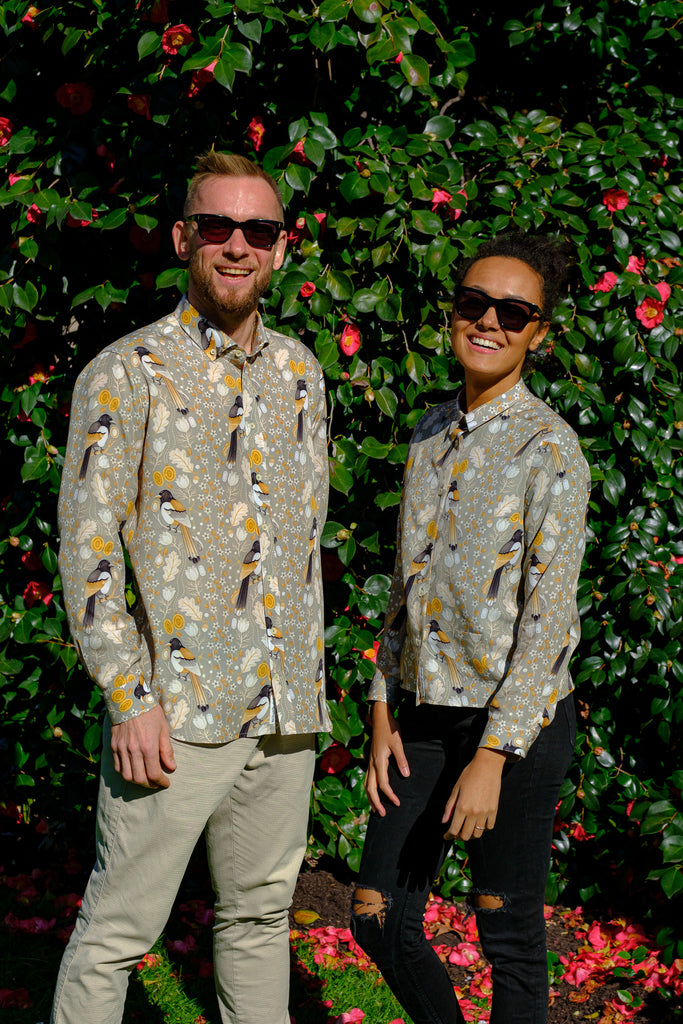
[225,165]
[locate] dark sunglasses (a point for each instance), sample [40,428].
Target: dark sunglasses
[259,234]
[513,314]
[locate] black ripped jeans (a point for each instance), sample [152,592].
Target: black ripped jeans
[405,850]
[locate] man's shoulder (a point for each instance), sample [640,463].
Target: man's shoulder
[293,349]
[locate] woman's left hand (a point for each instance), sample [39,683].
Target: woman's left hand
[473,803]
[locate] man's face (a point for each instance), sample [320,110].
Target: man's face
[227,280]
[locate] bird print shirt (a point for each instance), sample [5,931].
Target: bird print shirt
[209,468]
[482,610]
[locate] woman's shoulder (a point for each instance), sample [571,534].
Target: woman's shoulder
[538,420]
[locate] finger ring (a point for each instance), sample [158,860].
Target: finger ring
[478,828]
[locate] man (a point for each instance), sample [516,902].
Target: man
[190,446]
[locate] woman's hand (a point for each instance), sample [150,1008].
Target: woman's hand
[386,743]
[473,803]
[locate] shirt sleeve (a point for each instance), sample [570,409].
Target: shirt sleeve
[386,681]
[548,626]
[320,459]
[97,499]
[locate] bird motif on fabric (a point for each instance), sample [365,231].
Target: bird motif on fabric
[250,569]
[300,405]
[97,437]
[440,643]
[184,663]
[312,537]
[419,568]
[257,709]
[174,514]
[561,658]
[506,557]
[548,440]
[454,436]
[319,687]
[259,490]
[151,364]
[536,570]
[274,636]
[206,337]
[97,586]
[234,421]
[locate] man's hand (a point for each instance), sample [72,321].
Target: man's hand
[142,749]
[473,804]
[386,743]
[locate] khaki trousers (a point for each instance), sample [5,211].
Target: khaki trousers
[251,798]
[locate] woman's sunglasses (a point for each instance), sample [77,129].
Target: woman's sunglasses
[259,234]
[513,314]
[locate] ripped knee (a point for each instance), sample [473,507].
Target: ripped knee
[369,903]
[490,901]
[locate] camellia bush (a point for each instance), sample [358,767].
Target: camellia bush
[401,134]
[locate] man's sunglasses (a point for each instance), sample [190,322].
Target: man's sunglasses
[513,314]
[259,234]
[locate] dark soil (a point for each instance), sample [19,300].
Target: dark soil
[320,891]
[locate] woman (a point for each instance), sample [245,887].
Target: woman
[481,624]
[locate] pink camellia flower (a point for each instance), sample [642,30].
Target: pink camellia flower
[145,241]
[6,131]
[335,759]
[298,154]
[605,283]
[75,96]
[615,199]
[37,591]
[441,198]
[139,104]
[34,215]
[307,289]
[71,222]
[200,78]
[16,998]
[578,832]
[399,57]
[349,342]
[371,652]
[351,1016]
[107,156]
[176,37]
[650,312]
[30,16]
[636,264]
[255,132]
[158,13]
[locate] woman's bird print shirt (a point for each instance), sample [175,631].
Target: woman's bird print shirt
[482,611]
[209,466]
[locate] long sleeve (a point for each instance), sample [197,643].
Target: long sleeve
[97,500]
[548,626]
[386,681]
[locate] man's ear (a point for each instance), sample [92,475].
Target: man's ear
[181,240]
[280,249]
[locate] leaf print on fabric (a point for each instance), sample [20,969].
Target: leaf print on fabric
[100,488]
[114,629]
[281,358]
[171,566]
[99,381]
[87,528]
[160,419]
[507,507]
[251,658]
[181,459]
[190,606]
[177,714]
[238,513]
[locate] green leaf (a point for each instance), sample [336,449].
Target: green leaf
[415,69]
[148,43]
[339,285]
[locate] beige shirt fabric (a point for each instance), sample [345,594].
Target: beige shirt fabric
[211,467]
[482,610]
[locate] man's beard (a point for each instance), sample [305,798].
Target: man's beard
[234,308]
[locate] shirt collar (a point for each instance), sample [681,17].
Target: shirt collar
[496,407]
[211,340]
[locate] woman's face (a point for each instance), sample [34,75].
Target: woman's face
[491,356]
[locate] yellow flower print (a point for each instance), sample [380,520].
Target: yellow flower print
[114,404]
[168,626]
[251,525]
[233,382]
[125,705]
[434,606]
[269,602]
[178,621]
[186,317]
[104,397]
[431,530]
[492,741]
[263,671]
[169,473]
[97,543]
[255,458]
[118,696]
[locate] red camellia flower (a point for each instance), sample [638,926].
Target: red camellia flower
[335,759]
[615,199]
[298,155]
[350,339]
[441,198]
[31,14]
[6,130]
[605,283]
[636,264]
[255,132]
[71,222]
[176,37]
[75,96]
[650,312]
[37,591]
[139,104]
[34,215]
[399,57]
[307,289]
[200,78]
[145,241]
